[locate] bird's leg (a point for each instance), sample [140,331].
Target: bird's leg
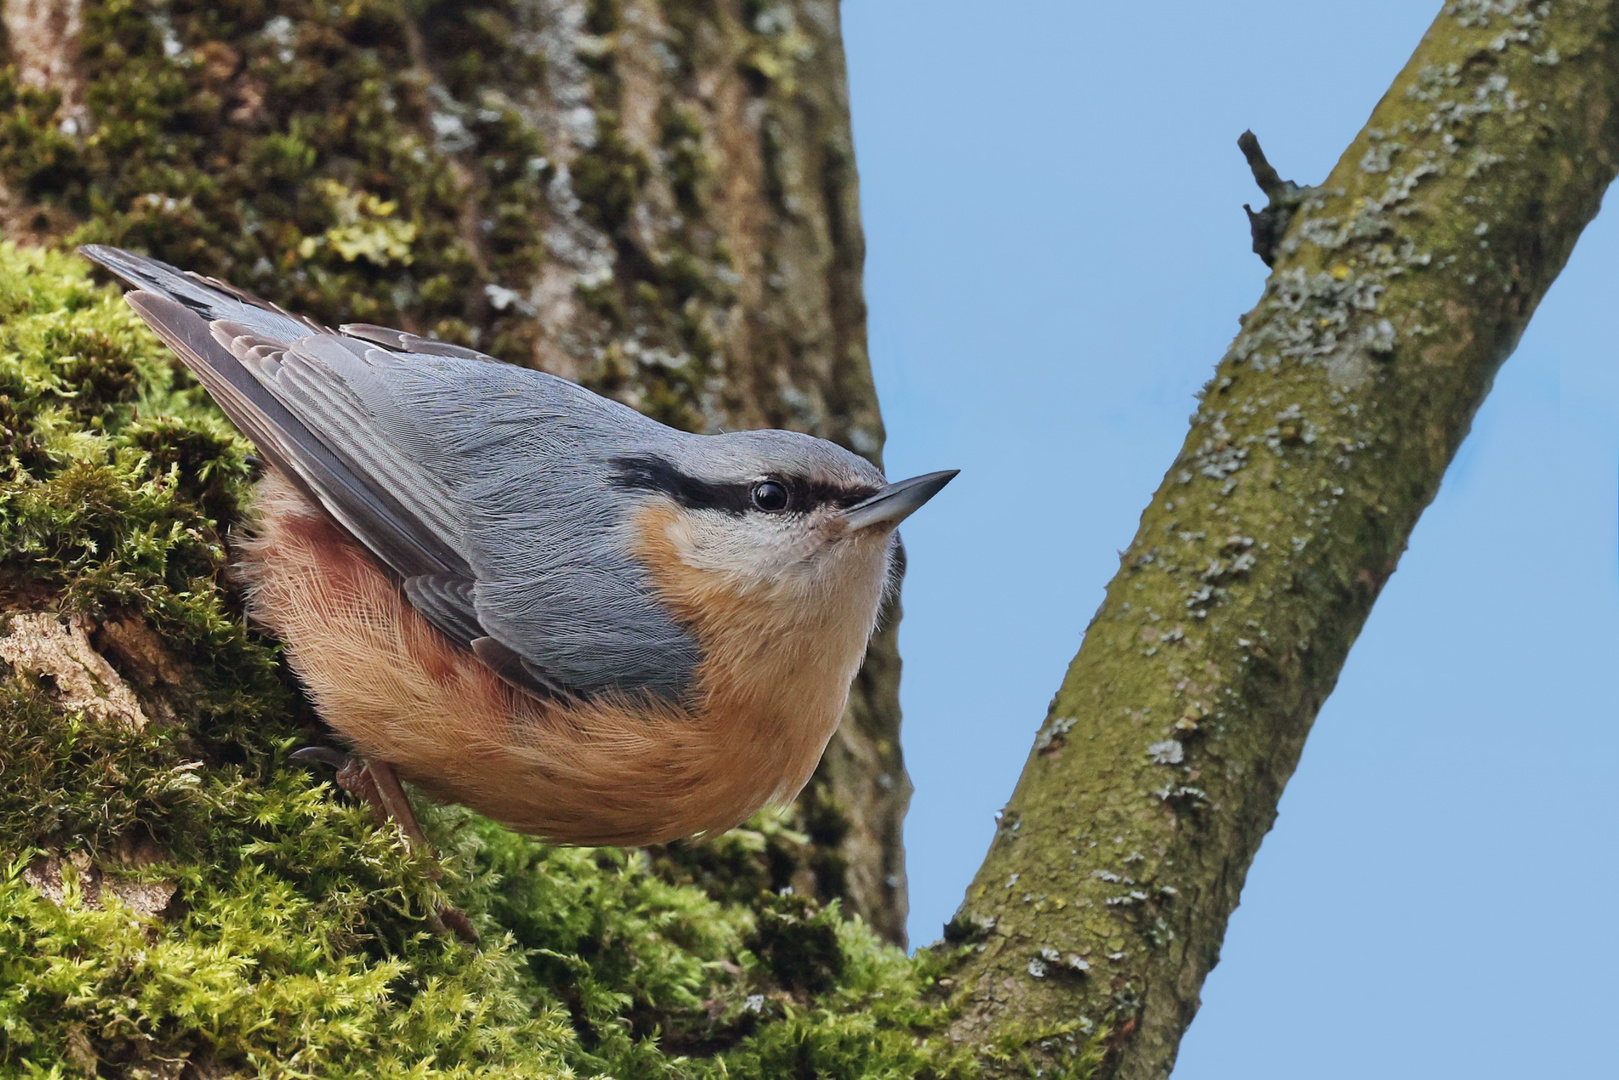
[376,784]
[353,776]
[377,780]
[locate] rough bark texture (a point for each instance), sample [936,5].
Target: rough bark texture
[1399,287]
[657,200]
[675,224]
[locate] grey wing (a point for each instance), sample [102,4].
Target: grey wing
[400,341]
[370,513]
[228,338]
[498,460]
[361,428]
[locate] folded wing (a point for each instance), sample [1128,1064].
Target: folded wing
[321,407]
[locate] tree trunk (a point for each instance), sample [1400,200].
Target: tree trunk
[656,200]
[1399,287]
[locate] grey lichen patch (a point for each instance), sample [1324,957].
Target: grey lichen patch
[1379,156]
[45,646]
[1167,752]
[1053,734]
[1512,15]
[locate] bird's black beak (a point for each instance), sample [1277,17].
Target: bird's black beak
[896,502]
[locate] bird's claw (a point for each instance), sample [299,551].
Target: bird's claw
[456,922]
[321,755]
[377,785]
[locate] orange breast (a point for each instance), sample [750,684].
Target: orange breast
[625,770]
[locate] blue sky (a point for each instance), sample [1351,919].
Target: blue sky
[1057,256]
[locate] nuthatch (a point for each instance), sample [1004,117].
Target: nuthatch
[530,599]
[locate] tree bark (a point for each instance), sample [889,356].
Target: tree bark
[656,200]
[659,200]
[1399,286]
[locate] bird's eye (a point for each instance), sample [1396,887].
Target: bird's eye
[770,496]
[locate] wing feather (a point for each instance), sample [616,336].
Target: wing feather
[317,391]
[367,513]
[478,484]
[400,341]
[448,604]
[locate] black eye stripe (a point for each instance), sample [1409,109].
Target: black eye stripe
[819,493]
[652,473]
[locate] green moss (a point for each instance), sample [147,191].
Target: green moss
[284,150]
[681,138]
[799,944]
[369,161]
[609,177]
[296,940]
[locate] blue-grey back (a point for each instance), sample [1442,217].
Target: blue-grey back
[485,488]
[529,459]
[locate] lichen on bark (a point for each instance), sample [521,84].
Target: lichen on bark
[1402,283]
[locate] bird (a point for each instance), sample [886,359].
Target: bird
[524,597]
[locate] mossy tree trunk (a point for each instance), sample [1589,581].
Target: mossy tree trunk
[655,199]
[658,200]
[1399,286]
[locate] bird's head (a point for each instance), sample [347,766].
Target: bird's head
[774,518]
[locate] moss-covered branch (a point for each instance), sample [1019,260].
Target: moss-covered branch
[1399,287]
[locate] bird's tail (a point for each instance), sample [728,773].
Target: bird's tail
[208,297]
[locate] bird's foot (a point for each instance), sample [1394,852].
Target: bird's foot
[376,784]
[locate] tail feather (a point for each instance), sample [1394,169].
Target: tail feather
[208,297]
